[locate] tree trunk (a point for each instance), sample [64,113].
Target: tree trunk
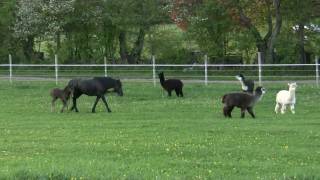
[302,54]
[262,48]
[28,48]
[123,47]
[136,51]
[58,41]
[272,39]
[135,54]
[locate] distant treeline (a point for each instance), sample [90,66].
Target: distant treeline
[175,31]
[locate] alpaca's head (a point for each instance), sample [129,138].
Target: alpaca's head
[292,86]
[260,90]
[161,74]
[240,77]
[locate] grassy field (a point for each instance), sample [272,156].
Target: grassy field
[151,136]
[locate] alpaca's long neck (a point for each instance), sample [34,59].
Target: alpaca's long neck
[162,79]
[257,97]
[292,94]
[244,86]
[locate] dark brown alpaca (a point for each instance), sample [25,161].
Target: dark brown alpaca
[244,101]
[62,94]
[171,84]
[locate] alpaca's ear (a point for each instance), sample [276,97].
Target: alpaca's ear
[289,84]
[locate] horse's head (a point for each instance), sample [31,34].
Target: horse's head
[118,88]
[67,92]
[72,84]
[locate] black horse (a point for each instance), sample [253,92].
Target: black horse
[98,86]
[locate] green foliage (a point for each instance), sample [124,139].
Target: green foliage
[81,31]
[210,27]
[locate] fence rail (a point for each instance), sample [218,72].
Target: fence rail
[201,72]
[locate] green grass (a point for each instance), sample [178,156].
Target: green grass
[151,136]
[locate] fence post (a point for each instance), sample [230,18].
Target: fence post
[206,69]
[260,68]
[105,67]
[56,67]
[154,70]
[10,68]
[317,70]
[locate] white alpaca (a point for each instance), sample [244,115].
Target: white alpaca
[286,98]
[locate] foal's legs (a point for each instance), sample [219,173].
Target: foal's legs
[64,101]
[53,104]
[95,104]
[105,103]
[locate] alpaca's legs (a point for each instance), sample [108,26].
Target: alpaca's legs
[225,111]
[251,112]
[95,104]
[181,93]
[177,92]
[292,108]
[229,111]
[105,103]
[277,108]
[53,104]
[283,108]
[169,93]
[243,112]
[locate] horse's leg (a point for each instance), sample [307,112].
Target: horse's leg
[74,106]
[53,104]
[74,102]
[64,101]
[95,104]
[105,103]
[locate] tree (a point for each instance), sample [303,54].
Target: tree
[134,18]
[265,44]
[6,38]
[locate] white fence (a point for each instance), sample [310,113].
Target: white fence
[197,72]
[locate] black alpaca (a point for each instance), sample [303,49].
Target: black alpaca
[97,86]
[171,84]
[244,101]
[246,84]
